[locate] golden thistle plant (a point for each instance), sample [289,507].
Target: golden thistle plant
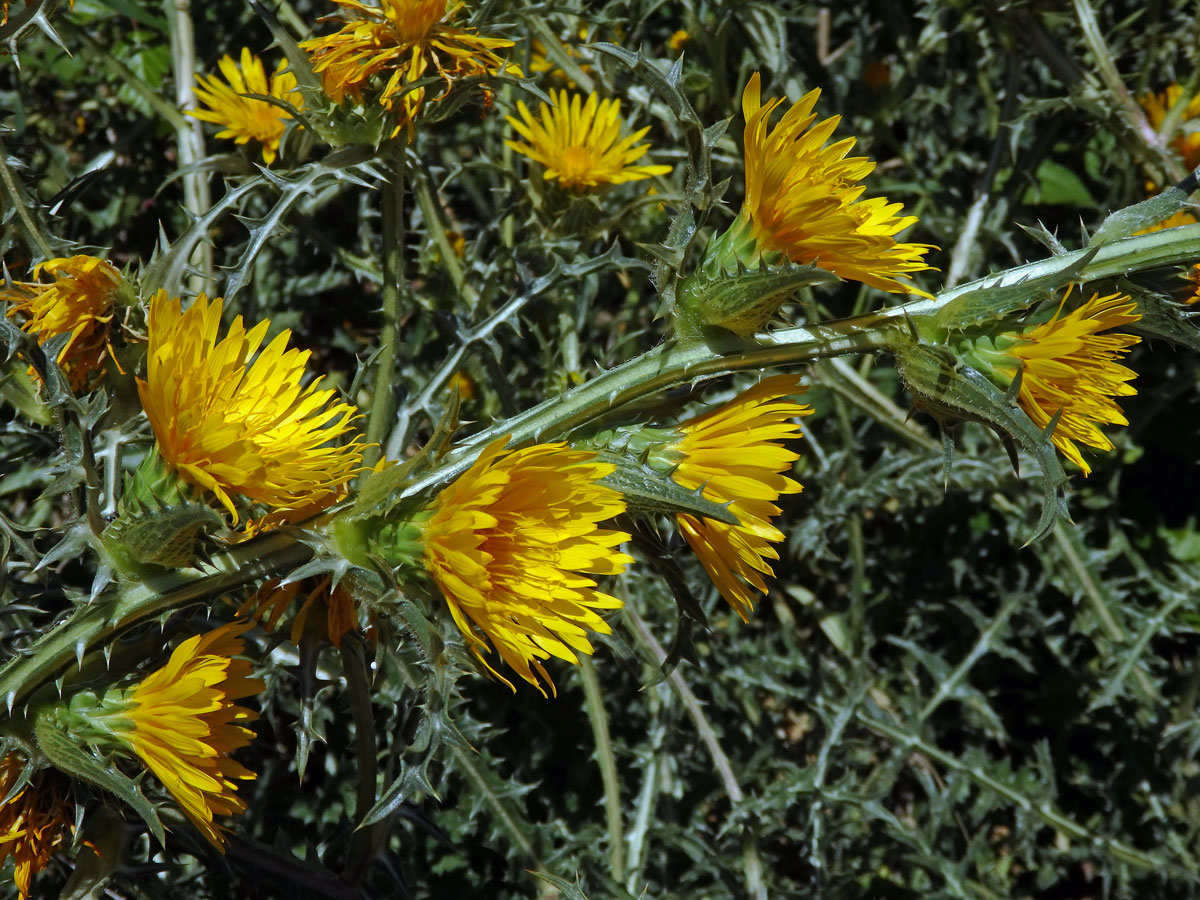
[209,473]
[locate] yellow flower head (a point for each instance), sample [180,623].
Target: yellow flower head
[183,723]
[231,426]
[34,822]
[735,453]
[79,302]
[407,40]
[1187,142]
[580,144]
[512,543]
[676,41]
[245,119]
[802,198]
[1067,364]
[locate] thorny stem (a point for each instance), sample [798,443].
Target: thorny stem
[1116,86]
[379,420]
[189,136]
[594,703]
[12,191]
[1068,543]
[427,200]
[358,685]
[1040,808]
[663,367]
[751,861]
[54,651]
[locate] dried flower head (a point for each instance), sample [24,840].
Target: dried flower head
[33,821]
[79,302]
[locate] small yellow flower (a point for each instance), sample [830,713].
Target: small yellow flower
[245,119]
[407,40]
[1067,364]
[734,452]
[79,302]
[183,723]
[677,40]
[802,198]
[1187,142]
[238,428]
[34,822]
[512,543]
[580,144]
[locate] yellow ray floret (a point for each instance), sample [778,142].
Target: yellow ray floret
[244,119]
[405,41]
[33,822]
[1067,364]
[79,302]
[579,143]
[512,545]
[183,723]
[235,427]
[1187,141]
[802,198]
[735,452]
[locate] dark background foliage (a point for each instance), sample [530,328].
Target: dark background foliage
[923,706]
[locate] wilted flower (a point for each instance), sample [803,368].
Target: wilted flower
[34,821]
[79,302]
[802,198]
[235,427]
[735,454]
[580,144]
[407,40]
[246,119]
[512,544]
[183,723]
[1066,364]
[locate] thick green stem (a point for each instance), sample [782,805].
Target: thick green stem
[379,420]
[103,619]
[15,195]
[661,368]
